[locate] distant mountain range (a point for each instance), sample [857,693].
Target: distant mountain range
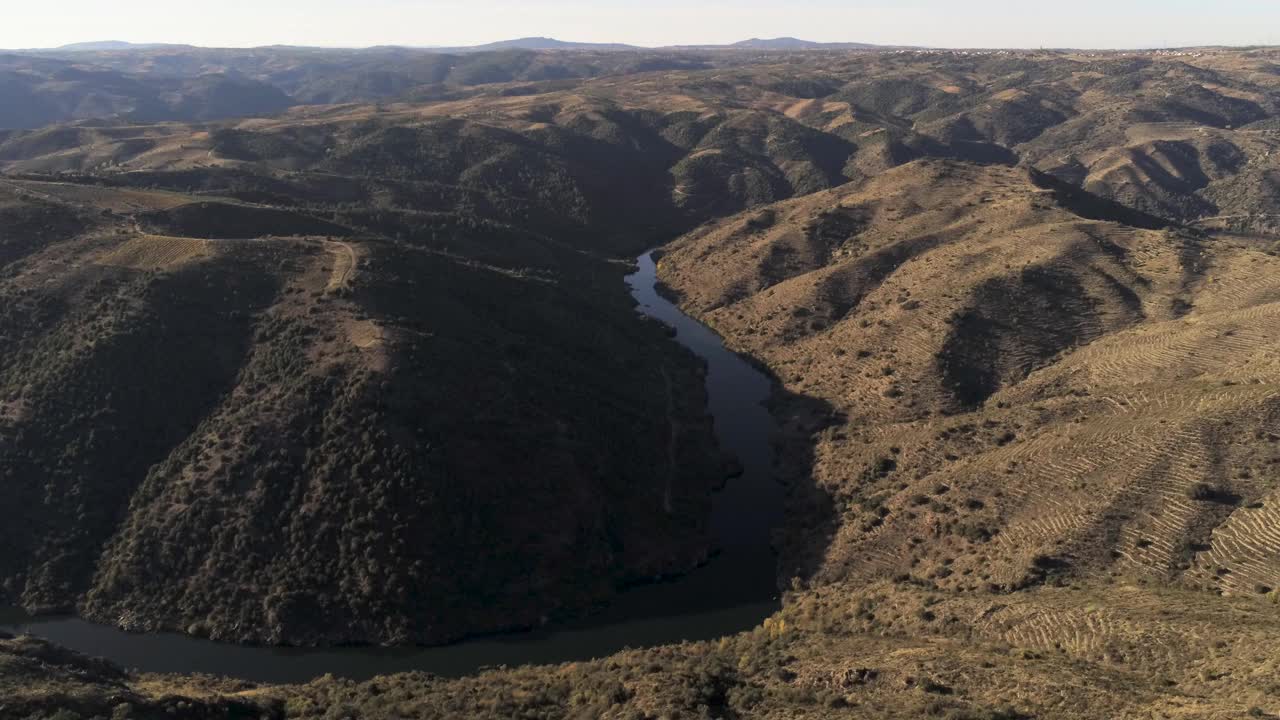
[527,43]
[790,43]
[184,83]
[541,43]
[107,45]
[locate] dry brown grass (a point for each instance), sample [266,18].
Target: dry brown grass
[1143,448]
[1049,442]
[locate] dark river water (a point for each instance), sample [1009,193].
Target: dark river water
[735,591]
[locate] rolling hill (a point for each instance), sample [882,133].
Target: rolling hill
[790,43]
[112,45]
[1017,307]
[543,43]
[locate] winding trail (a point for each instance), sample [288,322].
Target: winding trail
[345,264]
[1234,217]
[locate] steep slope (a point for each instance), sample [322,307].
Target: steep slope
[300,439]
[1037,392]
[1020,306]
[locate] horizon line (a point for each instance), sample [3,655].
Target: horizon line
[621,46]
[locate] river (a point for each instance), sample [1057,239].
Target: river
[735,591]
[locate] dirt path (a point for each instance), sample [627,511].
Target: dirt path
[344,266]
[1234,217]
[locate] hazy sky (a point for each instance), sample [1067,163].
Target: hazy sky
[950,23]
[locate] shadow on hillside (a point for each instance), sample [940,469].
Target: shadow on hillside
[1093,207]
[771,527]
[810,521]
[770,522]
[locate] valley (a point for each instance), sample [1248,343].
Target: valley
[967,356]
[733,593]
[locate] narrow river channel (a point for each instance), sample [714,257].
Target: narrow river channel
[733,592]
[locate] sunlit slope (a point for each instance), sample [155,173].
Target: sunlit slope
[1023,389]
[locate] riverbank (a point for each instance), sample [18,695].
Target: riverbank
[734,591]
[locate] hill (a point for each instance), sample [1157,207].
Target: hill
[1017,307]
[544,43]
[38,91]
[979,322]
[195,84]
[105,45]
[182,374]
[790,43]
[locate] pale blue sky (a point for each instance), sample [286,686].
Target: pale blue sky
[949,23]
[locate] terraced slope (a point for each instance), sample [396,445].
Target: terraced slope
[1020,391]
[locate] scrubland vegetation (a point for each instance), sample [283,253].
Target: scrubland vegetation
[368,373]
